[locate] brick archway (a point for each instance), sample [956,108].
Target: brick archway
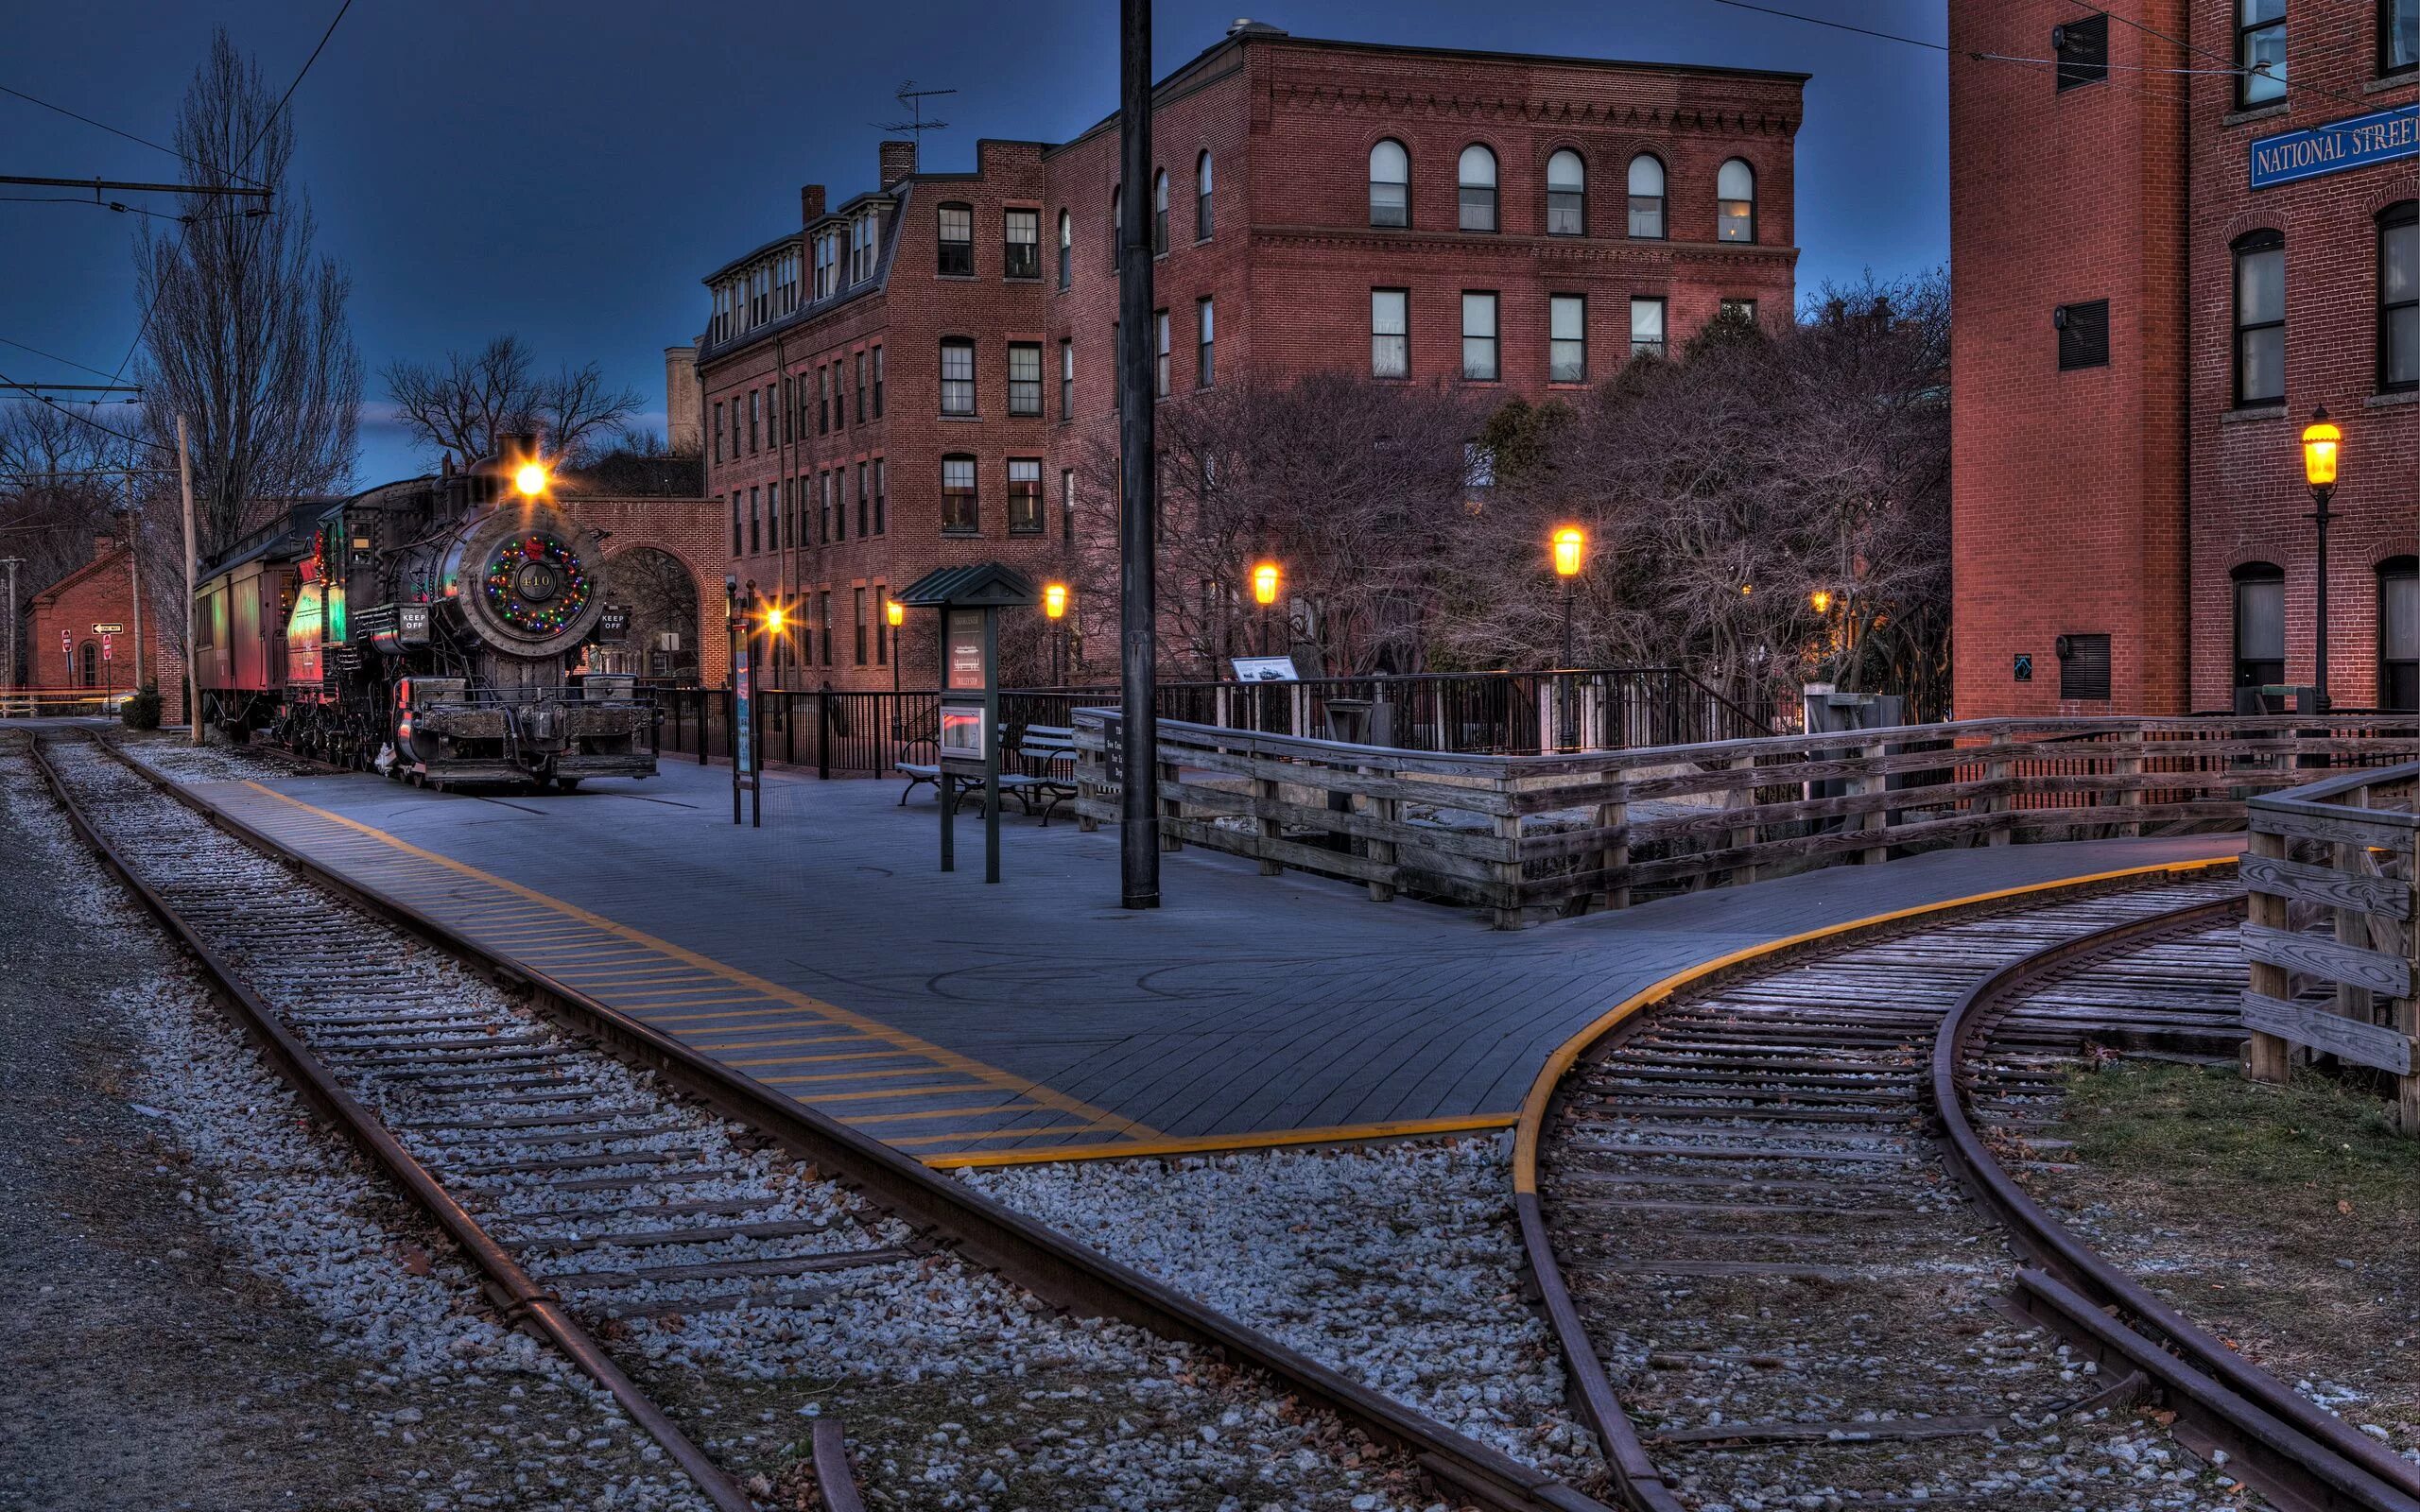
[687,531]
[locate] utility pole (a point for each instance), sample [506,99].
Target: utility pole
[1138,836]
[193,672]
[10,562]
[134,581]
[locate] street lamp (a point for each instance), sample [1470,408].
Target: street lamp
[895,614]
[1821,600]
[1265,579]
[1054,608]
[2321,439]
[1570,551]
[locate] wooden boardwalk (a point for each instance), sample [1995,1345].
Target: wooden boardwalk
[826,956]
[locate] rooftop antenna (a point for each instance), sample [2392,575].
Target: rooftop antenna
[916,126]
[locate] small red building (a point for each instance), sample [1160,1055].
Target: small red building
[81,633]
[2167,248]
[910,379]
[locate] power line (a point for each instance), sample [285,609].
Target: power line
[254,212]
[53,358]
[6,382]
[113,131]
[1974,57]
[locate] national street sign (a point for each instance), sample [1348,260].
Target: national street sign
[2354,142]
[112,629]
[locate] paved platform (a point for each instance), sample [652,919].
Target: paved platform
[827,956]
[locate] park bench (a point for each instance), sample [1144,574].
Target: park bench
[926,735]
[1038,771]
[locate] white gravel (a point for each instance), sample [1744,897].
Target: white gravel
[1399,1264]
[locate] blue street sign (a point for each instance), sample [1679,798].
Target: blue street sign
[2353,142]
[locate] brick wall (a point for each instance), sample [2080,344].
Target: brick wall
[689,529]
[100,593]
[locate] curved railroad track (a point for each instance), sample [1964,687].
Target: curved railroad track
[604,1177]
[1742,1202]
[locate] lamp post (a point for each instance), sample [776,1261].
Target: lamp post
[2321,439]
[1571,553]
[1265,581]
[895,614]
[1054,608]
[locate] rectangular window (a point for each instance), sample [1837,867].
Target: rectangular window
[1066,381]
[877,383]
[796,512]
[958,377]
[1390,333]
[2260,320]
[1025,378]
[865,503]
[2083,672]
[782,421]
[958,241]
[1021,244]
[823,621]
[1160,352]
[1647,328]
[2259,627]
[717,430]
[881,497]
[2260,52]
[1743,311]
[2398,36]
[755,532]
[1479,338]
[1567,338]
[860,596]
[860,361]
[1025,496]
[1205,369]
[2081,48]
[738,540]
[822,400]
[823,508]
[1067,504]
[755,414]
[773,515]
[2399,295]
[960,514]
[2083,335]
[881,625]
[838,479]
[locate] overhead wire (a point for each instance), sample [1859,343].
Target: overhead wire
[113,131]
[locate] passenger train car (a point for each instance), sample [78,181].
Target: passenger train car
[429,630]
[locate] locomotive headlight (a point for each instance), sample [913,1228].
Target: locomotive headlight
[531,480]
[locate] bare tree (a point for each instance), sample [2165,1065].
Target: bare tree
[246,333]
[463,403]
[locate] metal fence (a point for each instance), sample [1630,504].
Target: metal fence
[860,734]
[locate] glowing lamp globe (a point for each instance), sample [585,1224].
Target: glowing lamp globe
[2321,439]
[1571,546]
[895,613]
[1054,600]
[1264,584]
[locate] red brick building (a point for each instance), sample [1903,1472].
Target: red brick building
[908,379]
[80,632]
[2167,248]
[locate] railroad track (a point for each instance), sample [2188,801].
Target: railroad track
[608,1181]
[1745,1195]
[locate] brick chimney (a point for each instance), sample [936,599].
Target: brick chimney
[898,161]
[810,204]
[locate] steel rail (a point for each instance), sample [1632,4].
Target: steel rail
[1063,1271]
[2306,1455]
[521,1298]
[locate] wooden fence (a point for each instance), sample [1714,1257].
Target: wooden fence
[2330,872]
[1521,835]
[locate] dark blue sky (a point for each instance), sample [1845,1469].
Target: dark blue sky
[569,171]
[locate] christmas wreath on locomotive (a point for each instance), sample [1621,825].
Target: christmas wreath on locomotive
[428,629]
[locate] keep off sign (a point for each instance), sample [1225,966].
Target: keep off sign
[106,653]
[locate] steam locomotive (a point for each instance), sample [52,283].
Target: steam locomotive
[428,629]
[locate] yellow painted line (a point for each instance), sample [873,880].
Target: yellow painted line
[812,1012]
[1002,1134]
[858,1075]
[930,1112]
[810,1060]
[873,1028]
[1212,1144]
[1533,1109]
[783,1044]
[894,1092]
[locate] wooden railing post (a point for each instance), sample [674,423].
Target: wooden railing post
[1171,809]
[2403,1013]
[1614,816]
[2265,1058]
[1382,853]
[1507,872]
[1266,790]
[2003,804]
[1868,782]
[1744,836]
[2130,795]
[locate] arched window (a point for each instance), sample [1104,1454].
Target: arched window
[2400,297]
[1476,181]
[1066,248]
[1567,195]
[2260,318]
[1202,198]
[1647,197]
[92,665]
[1160,214]
[2259,625]
[2400,633]
[1390,184]
[1735,194]
[957,232]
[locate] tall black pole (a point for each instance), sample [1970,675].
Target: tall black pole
[1138,838]
[2319,518]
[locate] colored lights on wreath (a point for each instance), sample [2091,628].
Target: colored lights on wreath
[536,584]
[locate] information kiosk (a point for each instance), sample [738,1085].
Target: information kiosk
[968,601]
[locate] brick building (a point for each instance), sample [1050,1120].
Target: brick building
[2167,250]
[70,643]
[908,379]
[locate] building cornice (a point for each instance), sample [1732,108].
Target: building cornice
[1583,115]
[1548,250]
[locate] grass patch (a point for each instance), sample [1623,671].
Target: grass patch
[2310,1145]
